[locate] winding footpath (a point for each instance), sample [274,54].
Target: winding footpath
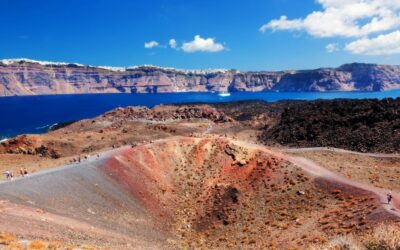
[318,171]
[306,164]
[339,150]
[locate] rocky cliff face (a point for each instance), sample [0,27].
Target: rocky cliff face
[27,77]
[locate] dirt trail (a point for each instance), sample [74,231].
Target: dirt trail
[88,196]
[319,171]
[29,213]
[339,150]
[80,197]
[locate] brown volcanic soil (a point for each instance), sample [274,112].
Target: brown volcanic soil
[360,125]
[383,172]
[116,128]
[203,189]
[185,192]
[200,189]
[217,193]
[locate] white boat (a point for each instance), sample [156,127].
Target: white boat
[224,94]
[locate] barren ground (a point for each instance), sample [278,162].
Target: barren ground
[383,172]
[188,177]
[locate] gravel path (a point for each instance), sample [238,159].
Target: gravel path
[339,150]
[83,192]
[80,197]
[319,171]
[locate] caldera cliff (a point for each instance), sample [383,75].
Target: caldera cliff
[28,77]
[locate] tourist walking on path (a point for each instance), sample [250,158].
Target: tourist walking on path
[21,172]
[389,197]
[8,174]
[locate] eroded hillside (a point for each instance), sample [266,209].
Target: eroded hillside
[28,77]
[186,192]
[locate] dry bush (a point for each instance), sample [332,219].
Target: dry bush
[384,237]
[6,238]
[37,245]
[15,246]
[54,245]
[86,247]
[347,242]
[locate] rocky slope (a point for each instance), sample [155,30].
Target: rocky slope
[187,193]
[28,77]
[359,125]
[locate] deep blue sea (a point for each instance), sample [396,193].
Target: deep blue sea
[35,114]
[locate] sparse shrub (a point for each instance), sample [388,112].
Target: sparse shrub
[347,242]
[37,245]
[54,245]
[385,237]
[15,246]
[6,238]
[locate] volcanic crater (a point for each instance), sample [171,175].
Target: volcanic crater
[218,193]
[175,178]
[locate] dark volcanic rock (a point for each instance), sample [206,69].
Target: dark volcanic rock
[360,125]
[25,77]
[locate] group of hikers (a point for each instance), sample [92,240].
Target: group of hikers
[10,175]
[79,159]
[24,172]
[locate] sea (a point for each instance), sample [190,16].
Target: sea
[36,114]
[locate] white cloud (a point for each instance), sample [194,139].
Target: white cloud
[381,45]
[332,47]
[282,24]
[151,44]
[200,44]
[345,18]
[172,43]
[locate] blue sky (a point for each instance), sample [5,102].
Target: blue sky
[230,33]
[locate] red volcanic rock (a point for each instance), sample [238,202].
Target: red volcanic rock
[160,173]
[193,193]
[200,190]
[27,144]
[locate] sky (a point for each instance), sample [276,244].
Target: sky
[246,35]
